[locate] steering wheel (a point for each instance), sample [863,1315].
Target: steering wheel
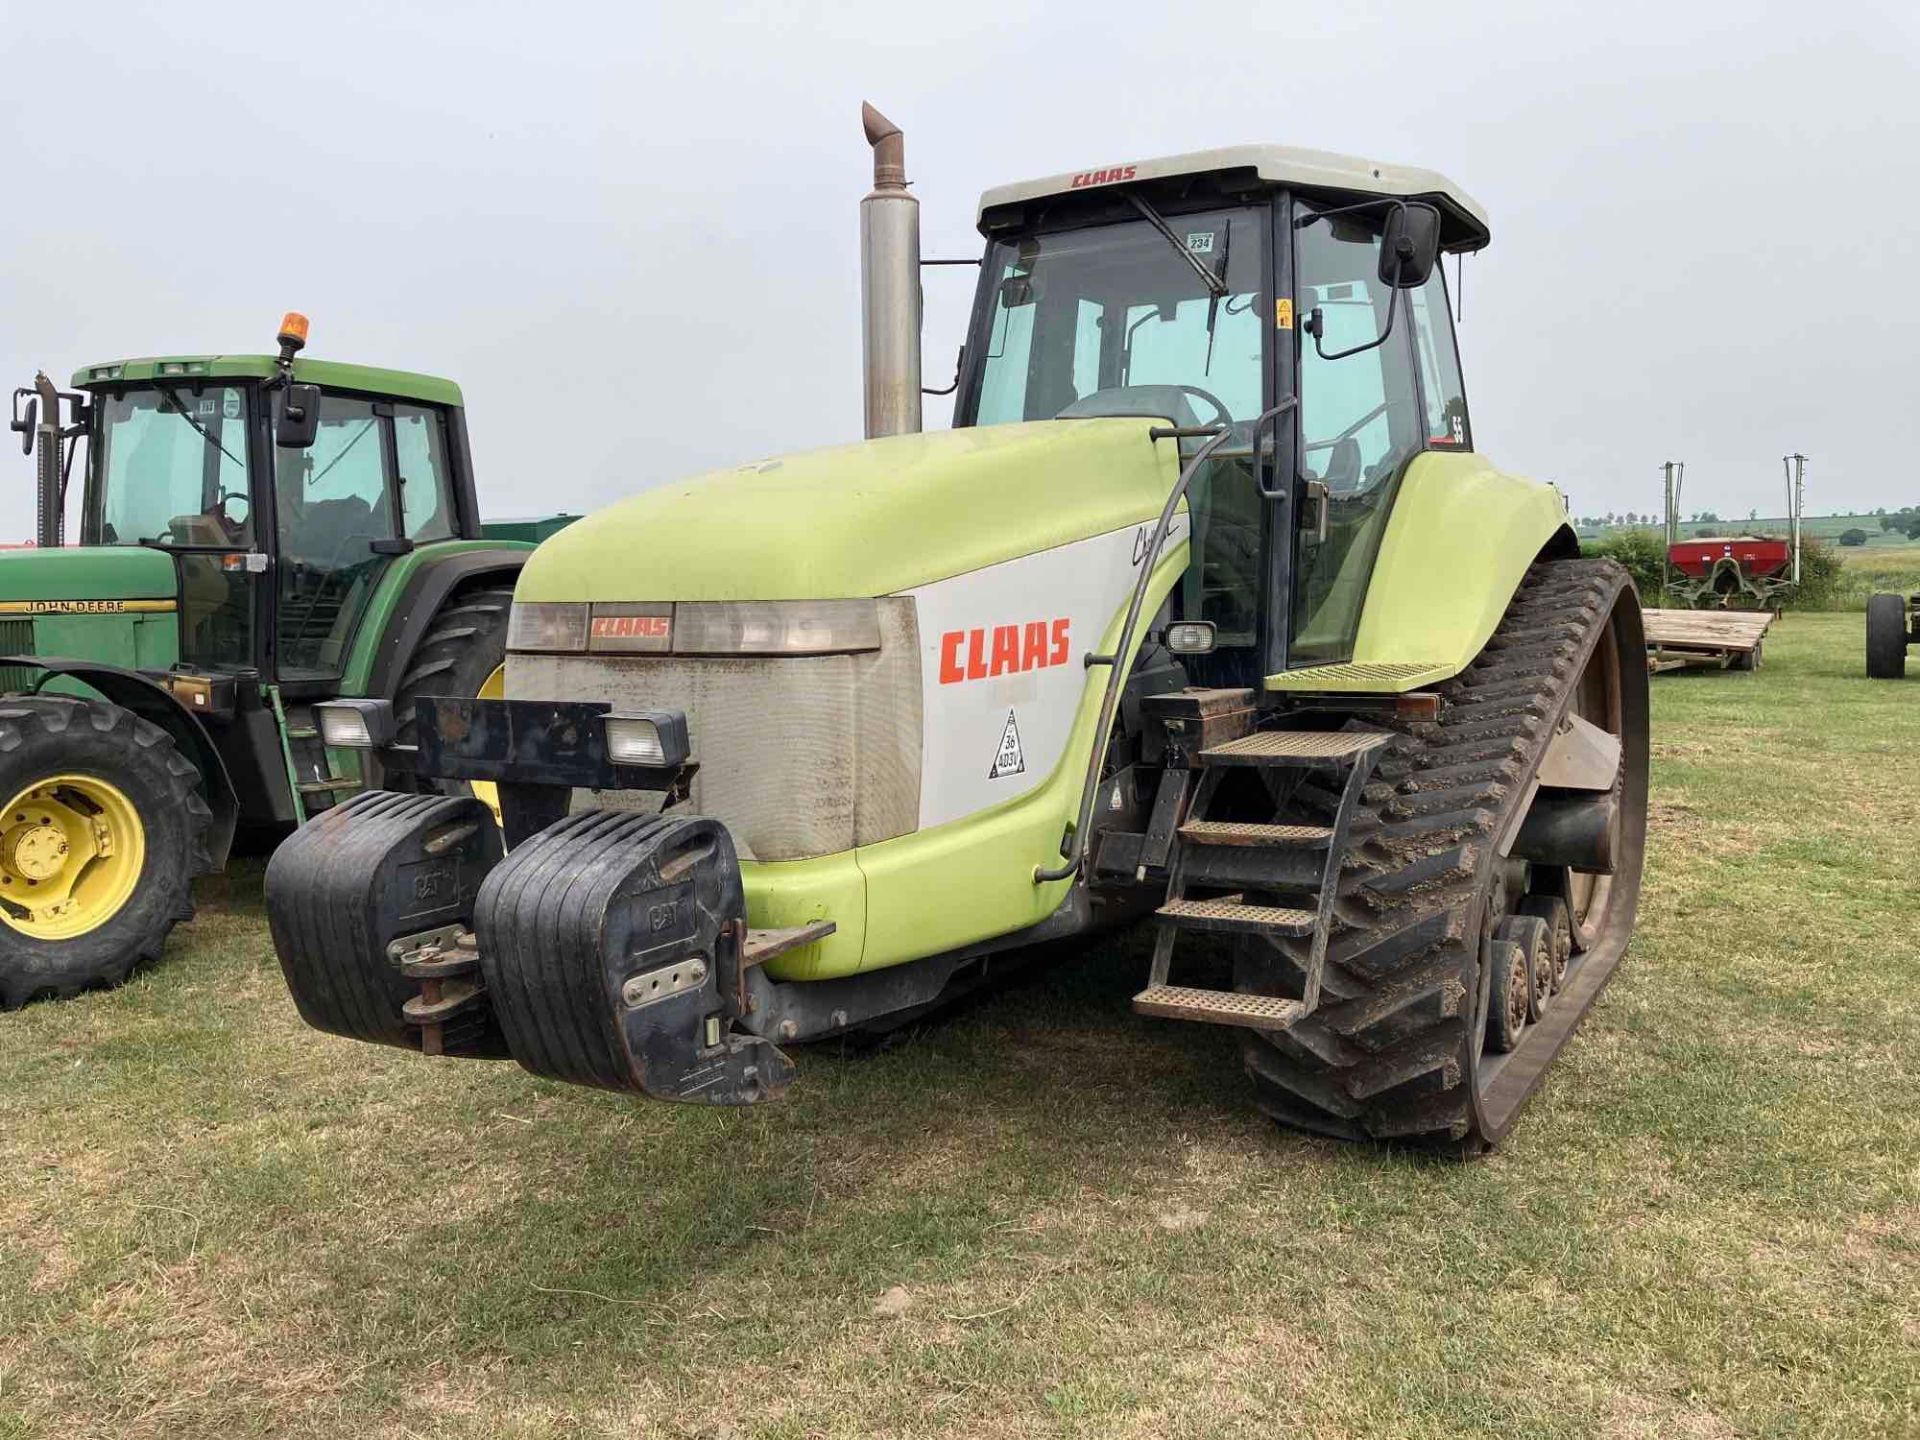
[1221,415]
[234,528]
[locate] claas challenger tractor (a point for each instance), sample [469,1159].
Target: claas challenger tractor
[257,533]
[1206,612]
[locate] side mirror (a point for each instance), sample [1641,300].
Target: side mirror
[298,422]
[25,424]
[1016,291]
[1409,245]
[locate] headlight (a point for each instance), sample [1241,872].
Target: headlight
[355,724]
[543,625]
[653,738]
[776,627]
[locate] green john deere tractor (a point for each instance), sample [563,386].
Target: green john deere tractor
[257,533]
[1207,612]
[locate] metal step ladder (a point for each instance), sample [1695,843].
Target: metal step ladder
[1293,870]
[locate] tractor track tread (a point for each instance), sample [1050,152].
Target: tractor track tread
[467,639]
[1395,1057]
[137,934]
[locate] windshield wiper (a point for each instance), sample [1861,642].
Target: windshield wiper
[1216,287]
[181,411]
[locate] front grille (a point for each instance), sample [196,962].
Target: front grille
[799,755]
[16,638]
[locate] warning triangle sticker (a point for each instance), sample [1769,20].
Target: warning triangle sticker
[1010,760]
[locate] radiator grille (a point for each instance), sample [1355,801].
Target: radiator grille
[799,755]
[16,638]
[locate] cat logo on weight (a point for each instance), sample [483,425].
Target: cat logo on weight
[1010,760]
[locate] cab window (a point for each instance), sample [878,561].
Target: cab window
[332,502]
[426,487]
[1443,397]
[1360,423]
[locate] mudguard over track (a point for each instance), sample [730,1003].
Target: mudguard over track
[1395,1049]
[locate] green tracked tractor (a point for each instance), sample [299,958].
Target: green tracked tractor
[257,533]
[1207,613]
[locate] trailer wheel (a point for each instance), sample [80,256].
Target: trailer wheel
[1886,637]
[103,831]
[457,657]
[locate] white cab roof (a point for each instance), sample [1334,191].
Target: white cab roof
[1280,164]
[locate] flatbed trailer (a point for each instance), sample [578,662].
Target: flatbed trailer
[1719,639]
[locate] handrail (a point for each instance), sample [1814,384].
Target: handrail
[1077,846]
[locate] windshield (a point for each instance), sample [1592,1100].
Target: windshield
[1114,320]
[171,467]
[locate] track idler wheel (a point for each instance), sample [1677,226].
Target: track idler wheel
[350,898]
[611,947]
[1536,942]
[1553,911]
[1511,997]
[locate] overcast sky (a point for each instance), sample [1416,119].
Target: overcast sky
[629,230]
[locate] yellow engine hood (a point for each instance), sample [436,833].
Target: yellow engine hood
[872,518]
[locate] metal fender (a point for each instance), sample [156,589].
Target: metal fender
[1457,544]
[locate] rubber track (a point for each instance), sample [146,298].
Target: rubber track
[1390,1053]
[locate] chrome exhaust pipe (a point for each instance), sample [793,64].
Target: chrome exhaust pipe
[889,285]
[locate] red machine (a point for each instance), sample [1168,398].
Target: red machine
[1759,556]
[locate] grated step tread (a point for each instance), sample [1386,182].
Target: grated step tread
[1234,914]
[1234,832]
[1282,746]
[1218,1007]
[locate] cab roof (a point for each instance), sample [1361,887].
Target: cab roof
[1464,222]
[403,384]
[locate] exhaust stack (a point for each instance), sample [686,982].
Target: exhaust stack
[889,285]
[49,521]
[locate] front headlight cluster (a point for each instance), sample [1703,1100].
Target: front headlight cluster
[697,627]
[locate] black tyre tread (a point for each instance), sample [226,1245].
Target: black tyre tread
[1409,918]
[94,732]
[1886,637]
[463,646]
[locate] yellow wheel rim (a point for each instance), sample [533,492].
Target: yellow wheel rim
[71,851]
[494,687]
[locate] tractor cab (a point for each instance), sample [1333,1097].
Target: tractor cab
[279,525]
[1290,299]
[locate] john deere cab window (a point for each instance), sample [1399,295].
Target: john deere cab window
[171,468]
[426,489]
[1116,319]
[333,502]
[1360,423]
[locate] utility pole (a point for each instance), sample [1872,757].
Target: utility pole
[1795,466]
[1673,472]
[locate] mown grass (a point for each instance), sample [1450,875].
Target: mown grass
[1041,1216]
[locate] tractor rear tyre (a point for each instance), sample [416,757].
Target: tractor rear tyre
[1399,1046]
[1886,637]
[104,829]
[461,651]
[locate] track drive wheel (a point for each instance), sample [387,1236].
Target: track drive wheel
[1399,1046]
[103,831]
[1886,637]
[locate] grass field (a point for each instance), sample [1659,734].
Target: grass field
[1042,1216]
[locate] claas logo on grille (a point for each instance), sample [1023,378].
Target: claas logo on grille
[631,627]
[1003,650]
